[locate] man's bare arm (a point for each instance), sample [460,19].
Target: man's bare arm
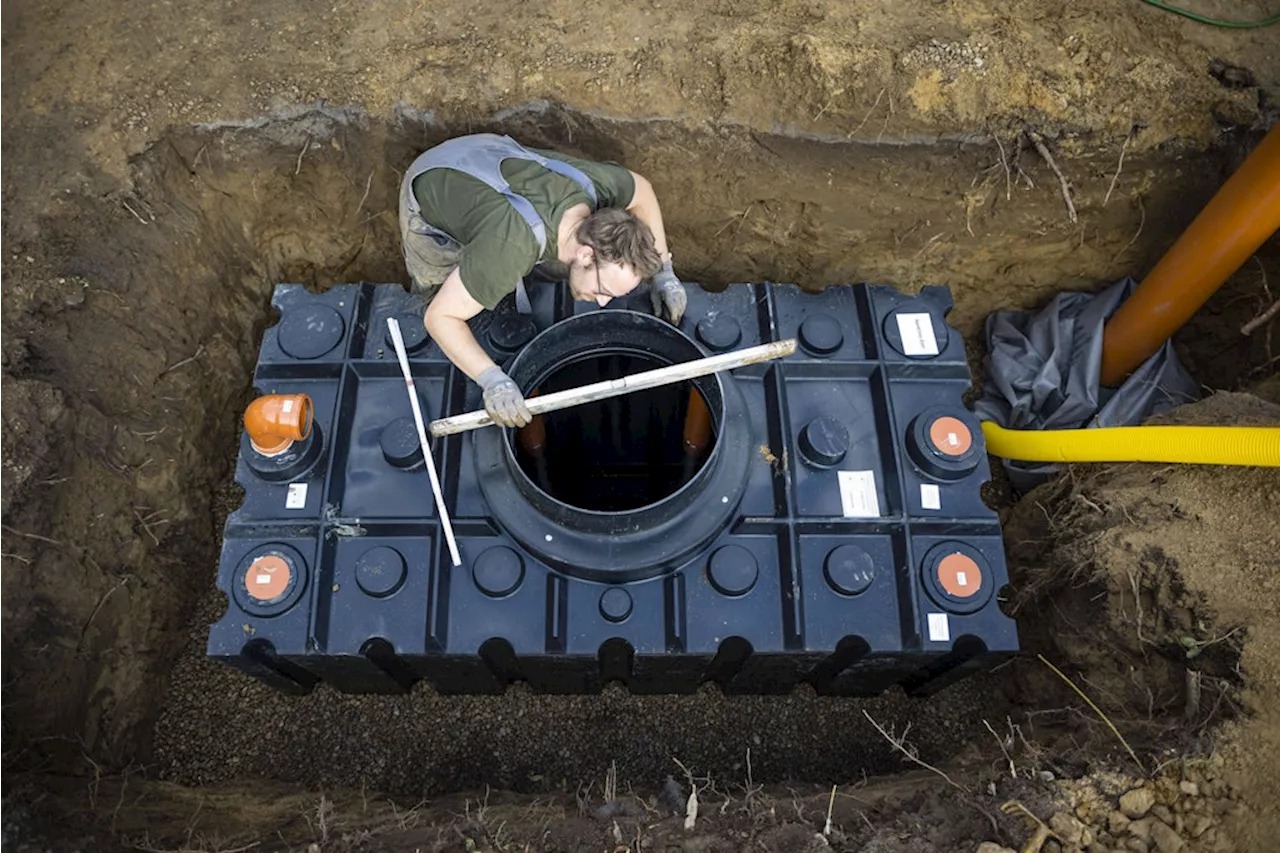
[446,322]
[644,204]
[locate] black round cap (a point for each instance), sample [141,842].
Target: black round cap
[310,331]
[615,604]
[849,570]
[922,343]
[733,570]
[510,332]
[498,571]
[957,576]
[821,334]
[412,331]
[719,331]
[400,444]
[824,441]
[295,462]
[380,571]
[948,460]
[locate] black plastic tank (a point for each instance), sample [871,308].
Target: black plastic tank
[814,520]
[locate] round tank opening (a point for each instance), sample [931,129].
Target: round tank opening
[622,453]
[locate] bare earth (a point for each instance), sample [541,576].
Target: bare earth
[167,163]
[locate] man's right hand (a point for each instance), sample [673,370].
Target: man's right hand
[502,398]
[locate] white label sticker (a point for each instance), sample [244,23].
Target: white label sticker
[858,494]
[263,579]
[961,580]
[287,407]
[297,496]
[930,496]
[917,334]
[939,629]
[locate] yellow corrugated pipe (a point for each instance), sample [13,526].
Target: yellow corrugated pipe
[1198,445]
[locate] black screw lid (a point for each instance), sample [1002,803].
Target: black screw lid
[380,571]
[824,441]
[733,570]
[498,571]
[310,331]
[945,442]
[295,462]
[412,331]
[615,604]
[820,334]
[719,331]
[849,570]
[510,332]
[916,332]
[400,444]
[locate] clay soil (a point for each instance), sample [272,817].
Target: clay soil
[165,164]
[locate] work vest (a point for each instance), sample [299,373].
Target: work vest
[480,156]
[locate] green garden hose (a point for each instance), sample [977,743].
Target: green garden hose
[1232,25]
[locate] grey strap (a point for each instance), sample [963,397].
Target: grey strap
[480,156]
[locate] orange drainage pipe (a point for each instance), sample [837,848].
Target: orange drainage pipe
[275,421]
[533,438]
[697,425]
[1235,222]
[697,432]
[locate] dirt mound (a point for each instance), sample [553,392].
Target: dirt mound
[1157,584]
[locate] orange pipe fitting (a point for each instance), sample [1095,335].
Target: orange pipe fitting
[533,436]
[1230,228]
[275,421]
[697,425]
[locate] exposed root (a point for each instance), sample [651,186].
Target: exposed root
[1038,141]
[900,744]
[1119,167]
[1097,711]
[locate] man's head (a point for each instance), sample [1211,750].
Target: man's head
[615,252]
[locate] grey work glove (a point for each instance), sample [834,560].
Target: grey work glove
[668,294]
[502,398]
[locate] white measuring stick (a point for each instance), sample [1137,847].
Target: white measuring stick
[626,385]
[403,358]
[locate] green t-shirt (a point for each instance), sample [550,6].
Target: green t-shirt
[498,247]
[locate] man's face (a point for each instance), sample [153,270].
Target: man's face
[599,282]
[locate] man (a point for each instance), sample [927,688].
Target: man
[479,212]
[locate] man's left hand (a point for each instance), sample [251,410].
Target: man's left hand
[668,294]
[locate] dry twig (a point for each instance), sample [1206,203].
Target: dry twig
[35,536]
[1013,771]
[867,117]
[900,744]
[831,804]
[1042,833]
[1119,166]
[1008,174]
[1096,710]
[1038,141]
[1192,708]
[199,352]
[367,185]
[298,168]
[1142,210]
[101,601]
[1262,319]
[135,213]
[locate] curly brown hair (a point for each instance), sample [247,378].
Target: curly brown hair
[618,236]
